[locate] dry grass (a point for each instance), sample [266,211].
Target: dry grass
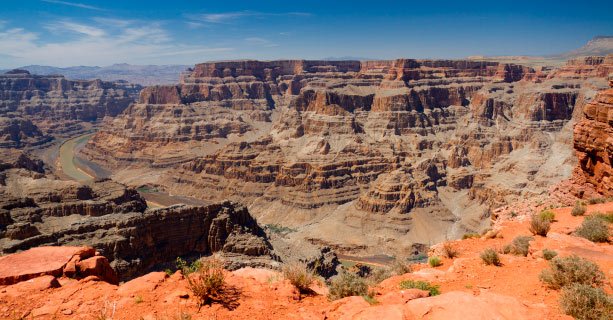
[585,302]
[422,285]
[539,225]
[549,254]
[520,246]
[594,229]
[449,251]
[347,284]
[573,269]
[490,257]
[299,275]
[579,209]
[207,282]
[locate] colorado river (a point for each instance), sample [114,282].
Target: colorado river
[78,169]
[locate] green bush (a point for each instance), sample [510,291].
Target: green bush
[608,217]
[186,267]
[422,285]
[434,261]
[490,257]
[470,235]
[549,254]
[579,209]
[594,229]
[547,215]
[299,275]
[347,284]
[539,226]
[520,245]
[572,269]
[585,302]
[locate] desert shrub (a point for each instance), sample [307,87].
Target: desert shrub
[449,251]
[579,209]
[299,275]
[596,200]
[507,249]
[520,245]
[585,302]
[594,229]
[471,235]
[422,285]
[400,266]
[608,217]
[207,282]
[347,284]
[490,257]
[434,261]
[549,254]
[547,215]
[378,274]
[539,226]
[572,269]
[186,267]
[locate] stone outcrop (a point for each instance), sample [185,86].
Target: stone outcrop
[73,262]
[38,211]
[33,108]
[593,142]
[376,150]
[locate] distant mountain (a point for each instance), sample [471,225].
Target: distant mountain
[141,74]
[598,46]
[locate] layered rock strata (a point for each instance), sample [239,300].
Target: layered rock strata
[593,142]
[376,152]
[33,108]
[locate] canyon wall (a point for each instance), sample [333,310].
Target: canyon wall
[365,156]
[35,108]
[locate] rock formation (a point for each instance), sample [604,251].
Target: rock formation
[360,156]
[593,142]
[33,108]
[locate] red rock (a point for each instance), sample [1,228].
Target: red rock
[463,306]
[39,261]
[147,282]
[403,296]
[97,266]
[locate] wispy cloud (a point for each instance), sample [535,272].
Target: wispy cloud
[95,43]
[230,17]
[75,4]
[261,42]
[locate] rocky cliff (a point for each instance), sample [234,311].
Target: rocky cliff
[38,211]
[593,142]
[359,155]
[33,107]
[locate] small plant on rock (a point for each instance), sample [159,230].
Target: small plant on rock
[434,261]
[594,229]
[549,254]
[449,251]
[547,215]
[585,302]
[572,269]
[579,209]
[347,284]
[400,266]
[299,275]
[539,226]
[520,245]
[470,235]
[490,257]
[421,285]
[207,282]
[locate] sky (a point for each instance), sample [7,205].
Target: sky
[98,33]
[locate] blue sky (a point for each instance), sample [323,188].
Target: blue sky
[88,32]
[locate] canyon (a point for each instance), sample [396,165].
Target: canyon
[367,157]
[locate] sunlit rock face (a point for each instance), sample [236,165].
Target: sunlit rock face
[371,153]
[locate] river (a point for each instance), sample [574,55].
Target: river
[78,169]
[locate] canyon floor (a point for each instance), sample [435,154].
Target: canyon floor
[469,289]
